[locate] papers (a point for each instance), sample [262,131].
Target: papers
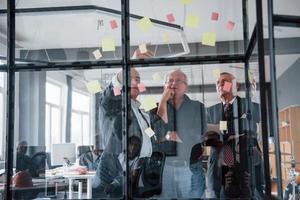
[209,39]
[108,44]
[149,132]
[145,24]
[93,87]
[192,21]
[173,136]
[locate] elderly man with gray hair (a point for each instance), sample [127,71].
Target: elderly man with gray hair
[182,123]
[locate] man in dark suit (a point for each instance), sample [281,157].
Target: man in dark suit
[228,174]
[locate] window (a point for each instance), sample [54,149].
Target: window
[2,115]
[80,121]
[53,114]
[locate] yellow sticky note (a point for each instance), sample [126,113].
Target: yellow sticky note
[223,125]
[192,20]
[143,48]
[108,44]
[156,76]
[166,37]
[149,132]
[145,24]
[209,39]
[216,73]
[149,103]
[186,2]
[94,86]
[97,54]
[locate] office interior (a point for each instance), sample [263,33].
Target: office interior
[58,57]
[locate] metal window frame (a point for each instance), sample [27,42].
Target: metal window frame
[256,38]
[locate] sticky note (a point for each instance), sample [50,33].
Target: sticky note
[97,54]
[214,16]
[192,21]
[230,25]
[108,44]
[141,87]
[149,132]
[93,86]
[170,18]
[145,24]
[250,74]
[166,37]
[216,73]
[173,136]
[113,24]
[186,2]
[143,48]
[227,86]
[223,125]
[117,91]
[156,76]
[209,39]
[149,103]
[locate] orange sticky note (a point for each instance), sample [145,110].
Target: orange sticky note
[209,39]
[215,16]
[148,103]
[143,48]
[216,73]
[93,87]
[192,20]
[145,24]
[227,86]
[97,54]
[230,25]
[142,87]
[149,132]
[117,91]
[223,125]
[186,2]
[170,18]
[166,37]
[113,24]
[108,44]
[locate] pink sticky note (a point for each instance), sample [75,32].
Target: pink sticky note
[230,25]
[113,24]
[141,87]
[227,86]
[170,18]
[215,16]
[117,91]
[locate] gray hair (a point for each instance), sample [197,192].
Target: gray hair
[166,77]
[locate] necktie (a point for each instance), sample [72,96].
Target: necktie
[227,110]
[228,155]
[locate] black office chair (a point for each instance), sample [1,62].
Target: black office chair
[83,149]
[151,175]
[38,162]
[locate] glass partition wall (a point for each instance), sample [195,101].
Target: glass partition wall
[145,99]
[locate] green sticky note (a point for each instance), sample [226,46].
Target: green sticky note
[93,87]
[108,44]
[192,20]
[145,24]
[216,73]
[156,76]
[186,2]
[166,37]
[149,103]
[209,39]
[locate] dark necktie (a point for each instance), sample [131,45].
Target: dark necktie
[227,110]
[228,155]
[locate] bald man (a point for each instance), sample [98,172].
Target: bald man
[182,124]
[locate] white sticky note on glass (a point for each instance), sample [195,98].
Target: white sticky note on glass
[94,87]
[143,48]
[149,132]
[223,125]
[97,54]
[108,44]
[156,76]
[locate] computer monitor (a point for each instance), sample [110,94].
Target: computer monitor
[32,150]
[62,151]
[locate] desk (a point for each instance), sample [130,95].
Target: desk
[89,177]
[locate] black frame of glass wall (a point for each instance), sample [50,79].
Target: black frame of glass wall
[249,43]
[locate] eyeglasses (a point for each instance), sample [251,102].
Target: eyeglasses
[175,82]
